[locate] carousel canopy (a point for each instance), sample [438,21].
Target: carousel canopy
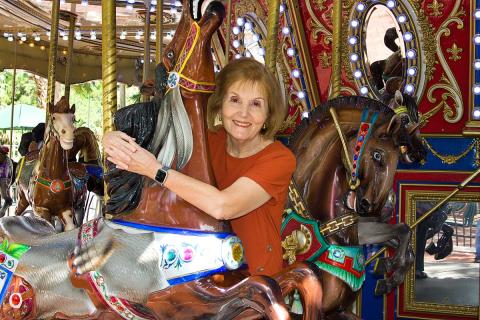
[25,116]
[25,36]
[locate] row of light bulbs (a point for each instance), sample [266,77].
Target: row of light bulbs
[129,5]
[408,36]
[476,67]
[243,24]
[78,35]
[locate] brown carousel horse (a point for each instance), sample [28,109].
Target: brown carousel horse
[49,189]
[140,274]
[84,176]
[333,190]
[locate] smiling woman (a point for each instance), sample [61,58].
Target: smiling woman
[251,170]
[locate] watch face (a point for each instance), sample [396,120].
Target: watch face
[160,176]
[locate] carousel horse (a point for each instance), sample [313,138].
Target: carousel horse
[336,199]
[183,270]
[383,70]
[46,184]
[6,174]
[85,176]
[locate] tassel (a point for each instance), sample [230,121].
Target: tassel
[297,307]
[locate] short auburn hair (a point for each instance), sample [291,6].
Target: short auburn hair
[249,70]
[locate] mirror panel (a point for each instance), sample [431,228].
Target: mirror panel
[446,278]
[384,44]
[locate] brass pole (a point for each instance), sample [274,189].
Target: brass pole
[109,70]
[71,17]
[159,31]
[109,64]
[433,209]
[146,47]
[52,53]
[227,32]
[13,96]
[272,36]
[336,47]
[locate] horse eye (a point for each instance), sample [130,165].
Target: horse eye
[53,118]
[170,54]
[377,156]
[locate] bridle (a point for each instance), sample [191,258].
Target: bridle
[176,76]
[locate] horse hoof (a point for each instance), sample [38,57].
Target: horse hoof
[381,266]
[381,287]
[431,249]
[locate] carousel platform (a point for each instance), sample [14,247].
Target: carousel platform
[452,281]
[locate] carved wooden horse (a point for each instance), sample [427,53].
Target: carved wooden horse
[50,189]
[331,189]
[133,270]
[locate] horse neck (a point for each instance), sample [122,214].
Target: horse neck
[53,159]
[199,166]
[320,174]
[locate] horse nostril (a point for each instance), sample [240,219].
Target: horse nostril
[63,131]
[365,204]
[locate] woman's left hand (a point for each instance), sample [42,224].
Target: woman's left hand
[140,161]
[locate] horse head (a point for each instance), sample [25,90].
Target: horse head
[332,181]
[187,46]
[62,123]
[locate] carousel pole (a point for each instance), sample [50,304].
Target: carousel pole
[146,47]
[227,32]
[336,47]
[71,18]
[109,68]
[52,53]
[159,31]
[13,97]
[272,36]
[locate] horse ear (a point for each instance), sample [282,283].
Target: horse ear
[394,125]
[212,18]
[72,109]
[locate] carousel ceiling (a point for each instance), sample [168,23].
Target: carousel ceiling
[25,35]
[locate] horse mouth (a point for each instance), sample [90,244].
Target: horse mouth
[66,144]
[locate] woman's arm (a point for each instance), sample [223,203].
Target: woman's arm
[242,197]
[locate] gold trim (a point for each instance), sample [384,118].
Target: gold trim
[436,7]
[336,77]
[304,51]
[448,83]
[455,51]
[450,158]
[409,296]
[272,35]
[52,53]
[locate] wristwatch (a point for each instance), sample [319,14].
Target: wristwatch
[162,175]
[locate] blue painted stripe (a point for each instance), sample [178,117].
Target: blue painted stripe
[188,232]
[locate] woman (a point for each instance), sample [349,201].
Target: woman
[252,171]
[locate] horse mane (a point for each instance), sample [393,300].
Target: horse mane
[61,106]
[321,113]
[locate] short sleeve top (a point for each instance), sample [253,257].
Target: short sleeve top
[272,169]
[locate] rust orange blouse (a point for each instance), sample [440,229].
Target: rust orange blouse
[259,230]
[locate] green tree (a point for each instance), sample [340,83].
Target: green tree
[25,88]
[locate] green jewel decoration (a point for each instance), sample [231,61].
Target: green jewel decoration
[15,250]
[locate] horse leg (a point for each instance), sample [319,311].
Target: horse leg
[400,236]
[22,202]
[207,299]
[342,315]
[301,276]
[66,217]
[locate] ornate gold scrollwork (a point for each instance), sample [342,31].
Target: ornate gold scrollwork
[436,7]
[452,113]
[317,26]
[455,52]
[450,158]
[298,242]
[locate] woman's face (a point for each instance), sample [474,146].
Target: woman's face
[244,110]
